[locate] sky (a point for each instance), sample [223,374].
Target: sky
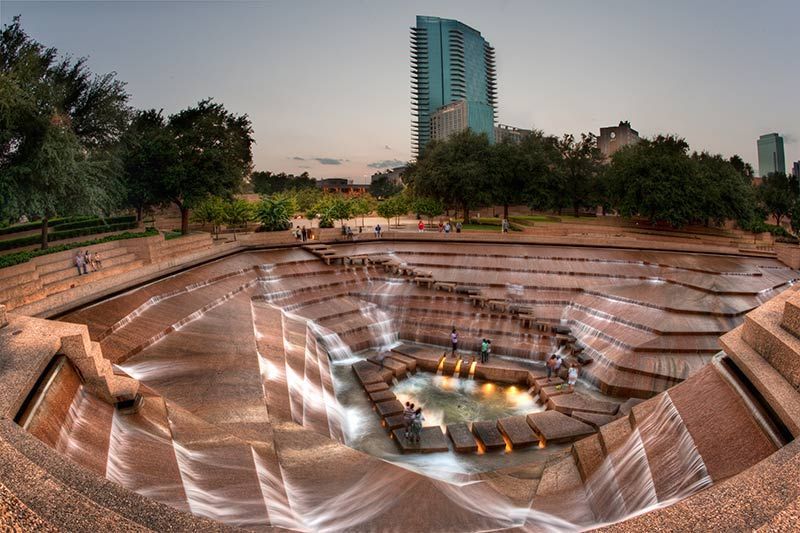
[327,83]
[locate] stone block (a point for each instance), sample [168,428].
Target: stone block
[393,422]
[615,434]
[391,407]
[375,387]
[410,362]
[567,403]
[462,437]
[431,440]
[3,316]
[626,406]
[488,435]
[517,431]
[381,396]
[593,419]
[588,455]
[552,427]
[397,368]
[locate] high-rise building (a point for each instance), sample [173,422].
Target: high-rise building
[796,169]
[503,133]
[770,154]
[615,137]
[451,62]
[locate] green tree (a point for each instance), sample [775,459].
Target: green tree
[362,206]
[396,206]
[455,171]
[214,154]
[727,193]
[382,187]
[427,207]
[274,212]
[269,183]
[577,171]
[210,210]
[59,123]
[778,193]
[656,179]
[238,213]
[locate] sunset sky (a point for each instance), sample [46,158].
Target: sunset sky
[327,85]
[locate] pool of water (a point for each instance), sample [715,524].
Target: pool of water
[445,399]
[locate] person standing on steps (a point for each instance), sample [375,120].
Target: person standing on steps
[81,263]
[484,347]
[572,376]
[304,233]
[416,425]
[421,226]
[408,417]
[454,341]
[458,227]
[505,225]
[551,364]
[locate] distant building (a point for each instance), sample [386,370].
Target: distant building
[615,137]
[450,62]
[342,185]
[504,133]
[796,169]
[770,154]
[394,176]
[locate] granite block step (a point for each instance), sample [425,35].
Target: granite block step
[388,408]
[375,387]
[431,440]
[381,396]
[488,435]
[553,427]
[588,454]
[567,403]
[462,437]
[594,419]
[517,431]
[393,422]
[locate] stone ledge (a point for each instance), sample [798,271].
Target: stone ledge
[782,397]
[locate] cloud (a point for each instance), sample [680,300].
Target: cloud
[328,160]
[387,147]
[298,158]
[387,163]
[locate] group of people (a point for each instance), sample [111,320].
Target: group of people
[554,364]
[85,260]
[300,233]
[412,421]
[445,227]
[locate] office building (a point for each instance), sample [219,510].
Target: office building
[770,154]
[615,137]
[796,169]
[451,62]
[504,133]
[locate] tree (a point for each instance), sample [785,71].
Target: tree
[210,210]
[777,193]
[275,212]
[269,183]
[577,170]
[395,206]
[363,206]
[745,169]
[382,187]
[455,171]
[213,156]
[727,193]
[427,207]
[237,213]
[656,179]
[149,152]
[59,124]
[306,198]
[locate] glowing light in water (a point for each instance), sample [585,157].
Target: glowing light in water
[457,371]
[440,368]
[472,369]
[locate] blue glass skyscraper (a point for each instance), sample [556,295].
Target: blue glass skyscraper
[450,62]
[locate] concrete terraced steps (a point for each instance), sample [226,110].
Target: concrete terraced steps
[669,446]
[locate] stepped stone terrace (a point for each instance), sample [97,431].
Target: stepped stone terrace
[256,391]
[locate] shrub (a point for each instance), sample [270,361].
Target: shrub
[54,222]
[23,257]
[66,234]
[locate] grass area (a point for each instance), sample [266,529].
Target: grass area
[24,257]
[481,227]
[174,234]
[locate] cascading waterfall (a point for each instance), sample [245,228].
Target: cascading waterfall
[628,483]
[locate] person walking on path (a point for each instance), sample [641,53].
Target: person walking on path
[505,225]
[458,227]
[80,263]
[572,376]
[447,227]
[421,226]
[416,425]
[304,233]
[454,341]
